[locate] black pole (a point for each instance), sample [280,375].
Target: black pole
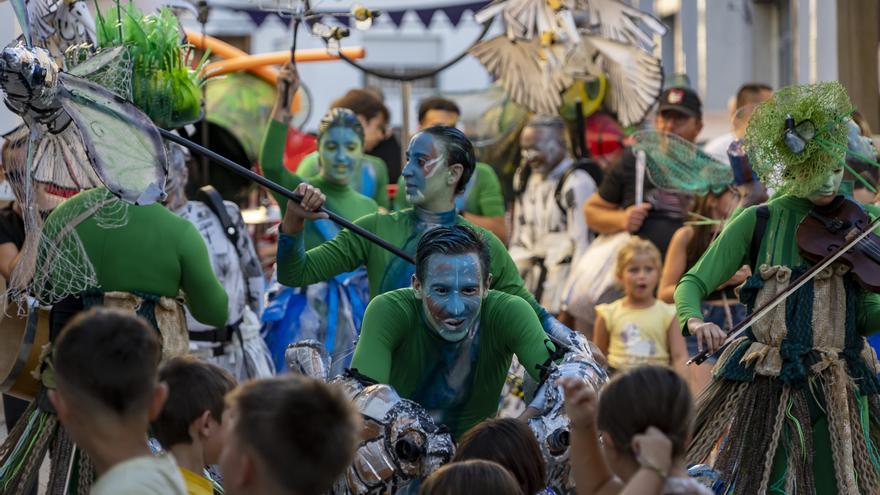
[268,184]
[580,128]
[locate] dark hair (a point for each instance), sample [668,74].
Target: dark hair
[363,103]
[455,239]
[108,357]
[747,92]
[642,397]
[476,476]
[341,117]
[437,103]
[304,431]
[457,148]
[194,386]
[510,443]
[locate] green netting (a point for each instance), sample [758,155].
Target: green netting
[827,106]
[678,165]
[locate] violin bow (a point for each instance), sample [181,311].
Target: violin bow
[799,282]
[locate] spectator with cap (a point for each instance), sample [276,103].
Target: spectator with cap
[482,202]
[613,207]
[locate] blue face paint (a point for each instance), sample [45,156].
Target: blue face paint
[340,151]
[423,174]
[451,294]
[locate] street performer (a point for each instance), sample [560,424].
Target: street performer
[793,405]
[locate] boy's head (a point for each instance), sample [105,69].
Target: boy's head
[437,110]
[194,408]
[643,397]
[452,279]
[106,363]
[291,434]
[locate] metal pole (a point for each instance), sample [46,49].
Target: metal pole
[259,179]
[405,97]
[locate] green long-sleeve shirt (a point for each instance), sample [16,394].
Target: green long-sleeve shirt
[778,247]
[386,272]
[398,348]
[341,199]
[483,197]
[154,251]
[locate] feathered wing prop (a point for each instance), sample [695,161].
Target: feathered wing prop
[636,77]
[520,68]
[617,21]
[525,19]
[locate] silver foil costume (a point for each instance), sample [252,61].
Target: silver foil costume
[400,443]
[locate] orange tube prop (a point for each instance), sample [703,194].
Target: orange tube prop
[236,59]
[250,62]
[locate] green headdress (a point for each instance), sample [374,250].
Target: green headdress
[799,136]
[162,83]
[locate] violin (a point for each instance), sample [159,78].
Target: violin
[841,230]
[827,228]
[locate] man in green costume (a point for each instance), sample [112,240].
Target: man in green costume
[481,203]
[440,162]
[793,406]
[370,177]
[95,244]
[448,341]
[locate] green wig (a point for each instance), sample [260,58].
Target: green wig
[800,171]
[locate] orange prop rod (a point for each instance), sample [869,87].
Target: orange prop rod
[236,59]
[263,59]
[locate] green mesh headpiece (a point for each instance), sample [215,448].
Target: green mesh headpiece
[826,105]
[679,165]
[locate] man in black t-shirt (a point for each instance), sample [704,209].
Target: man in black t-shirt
[612,208]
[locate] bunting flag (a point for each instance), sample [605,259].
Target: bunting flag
[454,13]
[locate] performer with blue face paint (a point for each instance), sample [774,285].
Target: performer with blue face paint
[448,340]
[329,310]
[440,161]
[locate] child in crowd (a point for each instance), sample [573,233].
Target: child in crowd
[510,443]
[638,328]
[106,364]
[189,425]
[288,435]
[644,421]
[475,476]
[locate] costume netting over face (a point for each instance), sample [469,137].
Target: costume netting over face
[799,136]
[678,165]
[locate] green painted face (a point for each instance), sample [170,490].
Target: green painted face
[340,150]
[826,192]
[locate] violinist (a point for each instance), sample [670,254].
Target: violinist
[793,405]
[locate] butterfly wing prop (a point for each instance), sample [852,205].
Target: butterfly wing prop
[123,144]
